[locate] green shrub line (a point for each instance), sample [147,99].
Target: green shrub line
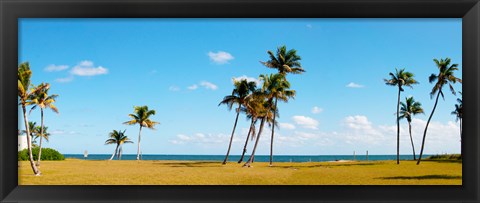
[47,154]
[445,157]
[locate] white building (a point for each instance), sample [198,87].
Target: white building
[22,142]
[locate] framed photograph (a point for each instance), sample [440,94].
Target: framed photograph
[318,101]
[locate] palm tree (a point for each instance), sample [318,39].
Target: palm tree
[241,90]
[141,116]
[118,138]
[444,76]
[253,104]
[400,78]
[275,87]
[24,75]
[43,100]
[284,61]
[34,131]
[265,113]
[409,109]
[458,112]
[45,135]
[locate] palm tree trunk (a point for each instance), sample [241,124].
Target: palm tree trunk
[426,127]
[119,154]
[273,132]
[41,138]
[231,137]
[411,139]
[250,160]
[114,153]
[246,141]
[29,143]
[138,144]
[398,126]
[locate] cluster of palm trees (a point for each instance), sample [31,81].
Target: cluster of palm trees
[260,104]
[141,116]
[402,78]
[35,96]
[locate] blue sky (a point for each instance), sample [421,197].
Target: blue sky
[182,68]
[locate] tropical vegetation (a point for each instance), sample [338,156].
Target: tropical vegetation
[445,76]
[241,90]
[47,155]
[400,79]
[118,138]
[141,116]
[409,109]
[43,100]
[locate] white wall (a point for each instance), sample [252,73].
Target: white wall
[22,142]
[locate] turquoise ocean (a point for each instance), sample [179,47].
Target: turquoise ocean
[234,158]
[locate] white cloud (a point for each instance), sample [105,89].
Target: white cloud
[249,79]
[287,126]
[306,122]
[358,122]
[316,110]
[86,68]
[62,132]
[220,57]
[202,139]
[54,68]
[354,85]
[192,87]
[174,88]
[64,80]
[309,26]
[208,85]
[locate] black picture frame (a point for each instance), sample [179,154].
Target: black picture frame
[12,10]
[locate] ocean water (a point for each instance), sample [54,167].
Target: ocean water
[234,158]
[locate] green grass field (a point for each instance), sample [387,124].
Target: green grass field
[88,172]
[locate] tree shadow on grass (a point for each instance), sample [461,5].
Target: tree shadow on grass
[191,164]
[444,161]
[425,177]
[327,165]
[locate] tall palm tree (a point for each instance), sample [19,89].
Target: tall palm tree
[445,76]
[24,75]
[242,89]
[458,112]
[118,138]
[42,100]
[265,113]
[284,61]
[275,87]
[409,109]
[141,116]
[400,78]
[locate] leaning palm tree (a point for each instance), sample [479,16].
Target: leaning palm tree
[141,116]
[275,87]
[24,75]
[253,104]
[242,89]
[42,100]
[284,61]
[409,109]
[444,76]
[265,113]
[400,78]
[118,138]
[458,112]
